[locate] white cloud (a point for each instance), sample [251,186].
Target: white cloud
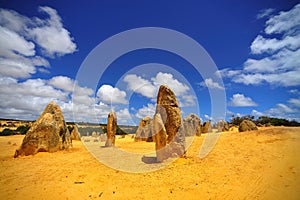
[211,84]
[51,35]
[239,100]
[265,13]
[207,117]
[279,53]
[295,102]
[168,79]
[148,110]
[187,100]
[123,116]
[256,113]
[19,45]
[109,94]
[62,82]
[21,67]
[294,91]
[284,22]
[265,45]
[13,20]
[149,88]
[26,99]
[140,85]
[20,58]
[280,110]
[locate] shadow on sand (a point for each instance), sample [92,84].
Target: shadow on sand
[149,159]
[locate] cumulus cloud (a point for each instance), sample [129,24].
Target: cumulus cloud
[21,67]
[62,82]
[278,49]
[187,100]
[294,91]
[20,58]
[256,113]
[19,45]
[178,87]
[286,22]
[140,85]
[207,117]
[109,94]
[123,116]
[265,13]
[148,110]
[211,84]
[27,99]
[295,102]
[279,110]
[149,88]
[239,100]
[51,35]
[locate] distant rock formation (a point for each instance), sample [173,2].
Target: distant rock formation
[222,126]
[191,125]
[111,129]
[247,125]
[168,110]
[49,133]
[144,131]
[206,128]
[75,135]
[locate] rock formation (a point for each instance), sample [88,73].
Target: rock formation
[168,111]
[206,128]
[222,126]
[160,138]
[168,108]
[111,129]
[49,133]
[191,125]
[75,135]
[247,125]
[144,131]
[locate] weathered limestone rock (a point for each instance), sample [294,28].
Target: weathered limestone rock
[49,133]
[144,131]
[111,129]
[192,125]
[168,108]
[170,142]
[206,128]
[247,125]
[75,135]
[160,138]
[222,126]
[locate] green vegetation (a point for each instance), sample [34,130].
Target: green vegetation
[265,120]
[70,128]
[21,130]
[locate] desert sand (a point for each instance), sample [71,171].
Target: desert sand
[263,164]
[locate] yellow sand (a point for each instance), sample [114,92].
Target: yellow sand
[262,164]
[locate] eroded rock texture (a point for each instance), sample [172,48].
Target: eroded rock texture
[49,133]
[111,129]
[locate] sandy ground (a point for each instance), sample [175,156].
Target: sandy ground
[262,164]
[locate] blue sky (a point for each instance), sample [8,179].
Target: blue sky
[255,46]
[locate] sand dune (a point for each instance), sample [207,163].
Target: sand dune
[262,164]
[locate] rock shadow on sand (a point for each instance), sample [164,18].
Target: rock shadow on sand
[149,160]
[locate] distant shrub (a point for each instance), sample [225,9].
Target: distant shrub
[70,128]
[264,120]
[7,132]
[22,129]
